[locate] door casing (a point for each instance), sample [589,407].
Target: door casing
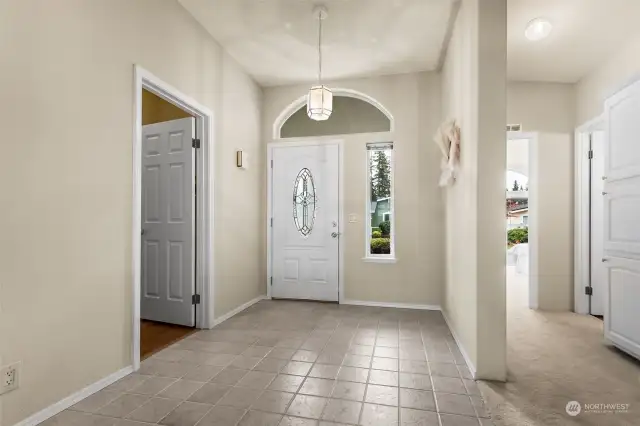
[204,276]
[311,141]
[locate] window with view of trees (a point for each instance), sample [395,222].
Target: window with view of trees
[380,217]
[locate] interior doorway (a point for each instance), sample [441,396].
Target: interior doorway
[167,308]
[172,216]
[518,219]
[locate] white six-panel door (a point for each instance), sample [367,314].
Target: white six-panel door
[621,231]
[306,223]
[168,187]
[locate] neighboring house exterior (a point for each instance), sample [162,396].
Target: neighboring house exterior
[381,212]
[518,217]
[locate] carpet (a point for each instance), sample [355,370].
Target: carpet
[555,358]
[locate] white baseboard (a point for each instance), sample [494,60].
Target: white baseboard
[237,310]
[391,305]
[465,355]
[71,400]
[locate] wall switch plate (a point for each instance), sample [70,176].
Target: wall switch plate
[9,378]
[353,218]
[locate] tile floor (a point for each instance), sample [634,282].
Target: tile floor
[284,363]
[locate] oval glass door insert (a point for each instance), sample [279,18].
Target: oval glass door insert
[304,202]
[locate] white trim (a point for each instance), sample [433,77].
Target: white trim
[385,258]
[532,206]
[302,100]
[205,285]
[391,305]
[465,355]
[379,259]
[581,212]
[239,309]
[73,399]
[311,141]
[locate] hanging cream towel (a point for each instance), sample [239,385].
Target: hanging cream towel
[447,138]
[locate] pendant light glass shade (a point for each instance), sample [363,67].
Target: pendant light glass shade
[319,103]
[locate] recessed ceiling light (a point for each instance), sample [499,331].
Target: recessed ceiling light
[538,29]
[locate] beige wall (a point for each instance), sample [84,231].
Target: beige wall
[620,70]
[65,261]
[552,220]
[541,107]
[157,110]
[474,93]
[414,102]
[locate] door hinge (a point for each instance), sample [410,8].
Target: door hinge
[590,154]
[272,164]
[588,291]
[195,299]
[271,281]
[195,143]
[272,222]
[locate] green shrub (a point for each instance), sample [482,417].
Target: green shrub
[381,246]
[518,235]
[385,228]
[376,234]
[375,228]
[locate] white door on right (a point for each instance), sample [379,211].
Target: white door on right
[306,222]
[621,199]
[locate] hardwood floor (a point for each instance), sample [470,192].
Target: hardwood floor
[155,336]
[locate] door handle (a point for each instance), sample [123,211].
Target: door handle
[335,234]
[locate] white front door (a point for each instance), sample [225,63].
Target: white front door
[621,201]
[168,204]
[598,270]
[306,222]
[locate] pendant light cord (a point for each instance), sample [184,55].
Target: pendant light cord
[320,48]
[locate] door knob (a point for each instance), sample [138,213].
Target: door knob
[335,234]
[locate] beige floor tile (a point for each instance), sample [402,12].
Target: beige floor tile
[331,357]
[361,350]
[418,399]
[342,411]
[444,370]
[257,351]
[349,390]
[186,414]
[307,406]
[153,410]
[411,417]
[281,353]
[379,415]
[286,383]
[317,387]
[220,360]
[222,416]
[173,370]
[202,373]
[76,418]
[305,356]
[126,422]
[384,377]
[240,397]
[210,393]
[455,404]
[259,418]
[453,420]
[385,352]
[245,362]
[478,404]
[273,401]
[411,366]
[448,385]
[95,402]
[297,368]
[229,376]
[181,390]
[271,365]
[256,380]
[123,405]
[415,381]
[360,361]
[127,383]
[472,387]
[298,421]
[353,374]
[381,395]
[153,386]
[389,364]
[324,371]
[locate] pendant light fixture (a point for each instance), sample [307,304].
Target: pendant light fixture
[320,97]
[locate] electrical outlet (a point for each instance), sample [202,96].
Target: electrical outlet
[9,378]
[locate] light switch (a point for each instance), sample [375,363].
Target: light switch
[353,218]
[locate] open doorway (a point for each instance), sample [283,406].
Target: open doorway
[517,221]
[167,311]
[172,216]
